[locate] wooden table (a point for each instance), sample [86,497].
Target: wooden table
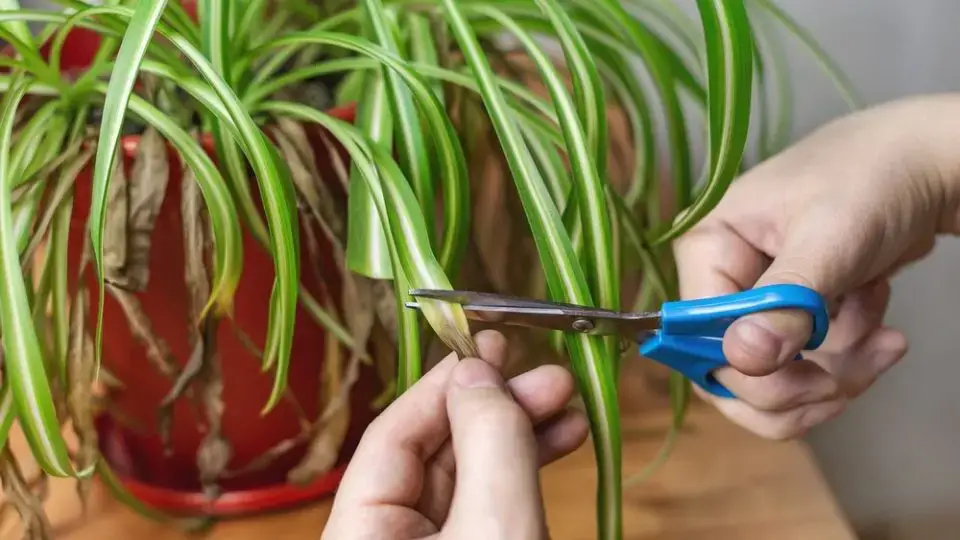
[720,483]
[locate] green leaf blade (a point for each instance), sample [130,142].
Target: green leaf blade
[367,250]
[730,62]
[23,357]
[410,143]
[565,278]
[17,28]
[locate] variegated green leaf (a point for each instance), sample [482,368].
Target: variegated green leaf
[367,251]
[730,91]
[23,358]
[17,28]
[565,279]
[453,168]
[406,231]
[276,190]
[410,143]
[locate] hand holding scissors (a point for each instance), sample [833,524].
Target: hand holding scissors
[685,335]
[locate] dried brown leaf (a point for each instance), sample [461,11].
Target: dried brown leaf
[215,452]
[385,362]
[313,254]
[324,449]
[62,188]
[195,242]
[295,147]
[336,160]
[385,304]
[146,189]
[158,352]
[36,525]
[357,295]
[198,287]
[267,458]
[110,380]
[359,309]
[191,370]
[81,372]
[115,227]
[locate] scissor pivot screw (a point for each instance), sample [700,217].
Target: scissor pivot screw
[582,325]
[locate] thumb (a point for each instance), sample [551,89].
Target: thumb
[497,483]
[812,256]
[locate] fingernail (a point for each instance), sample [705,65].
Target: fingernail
[758,341]
[475,373]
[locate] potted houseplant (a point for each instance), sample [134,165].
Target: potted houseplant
[295,454]
[287,246]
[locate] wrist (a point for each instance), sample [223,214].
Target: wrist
[928,131]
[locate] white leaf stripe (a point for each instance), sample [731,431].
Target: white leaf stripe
[7,413]
[453,164]
[276,192]
[730,61]
[564,275]
[411,143]
[586,80]
[220,206]
[22,354]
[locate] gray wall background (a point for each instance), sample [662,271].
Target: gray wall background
[894,457]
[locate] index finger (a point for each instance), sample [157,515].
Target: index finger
[713,259]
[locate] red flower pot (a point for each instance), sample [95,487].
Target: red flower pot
[170,481]
[130,438]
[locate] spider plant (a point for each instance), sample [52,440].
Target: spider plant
[428,78]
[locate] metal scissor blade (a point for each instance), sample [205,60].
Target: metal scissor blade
[500,309]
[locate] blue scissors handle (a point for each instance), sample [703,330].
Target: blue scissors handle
[690,338]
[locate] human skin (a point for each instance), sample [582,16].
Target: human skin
[457,455]
[841,212]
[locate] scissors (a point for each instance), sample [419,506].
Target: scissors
[684,335]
